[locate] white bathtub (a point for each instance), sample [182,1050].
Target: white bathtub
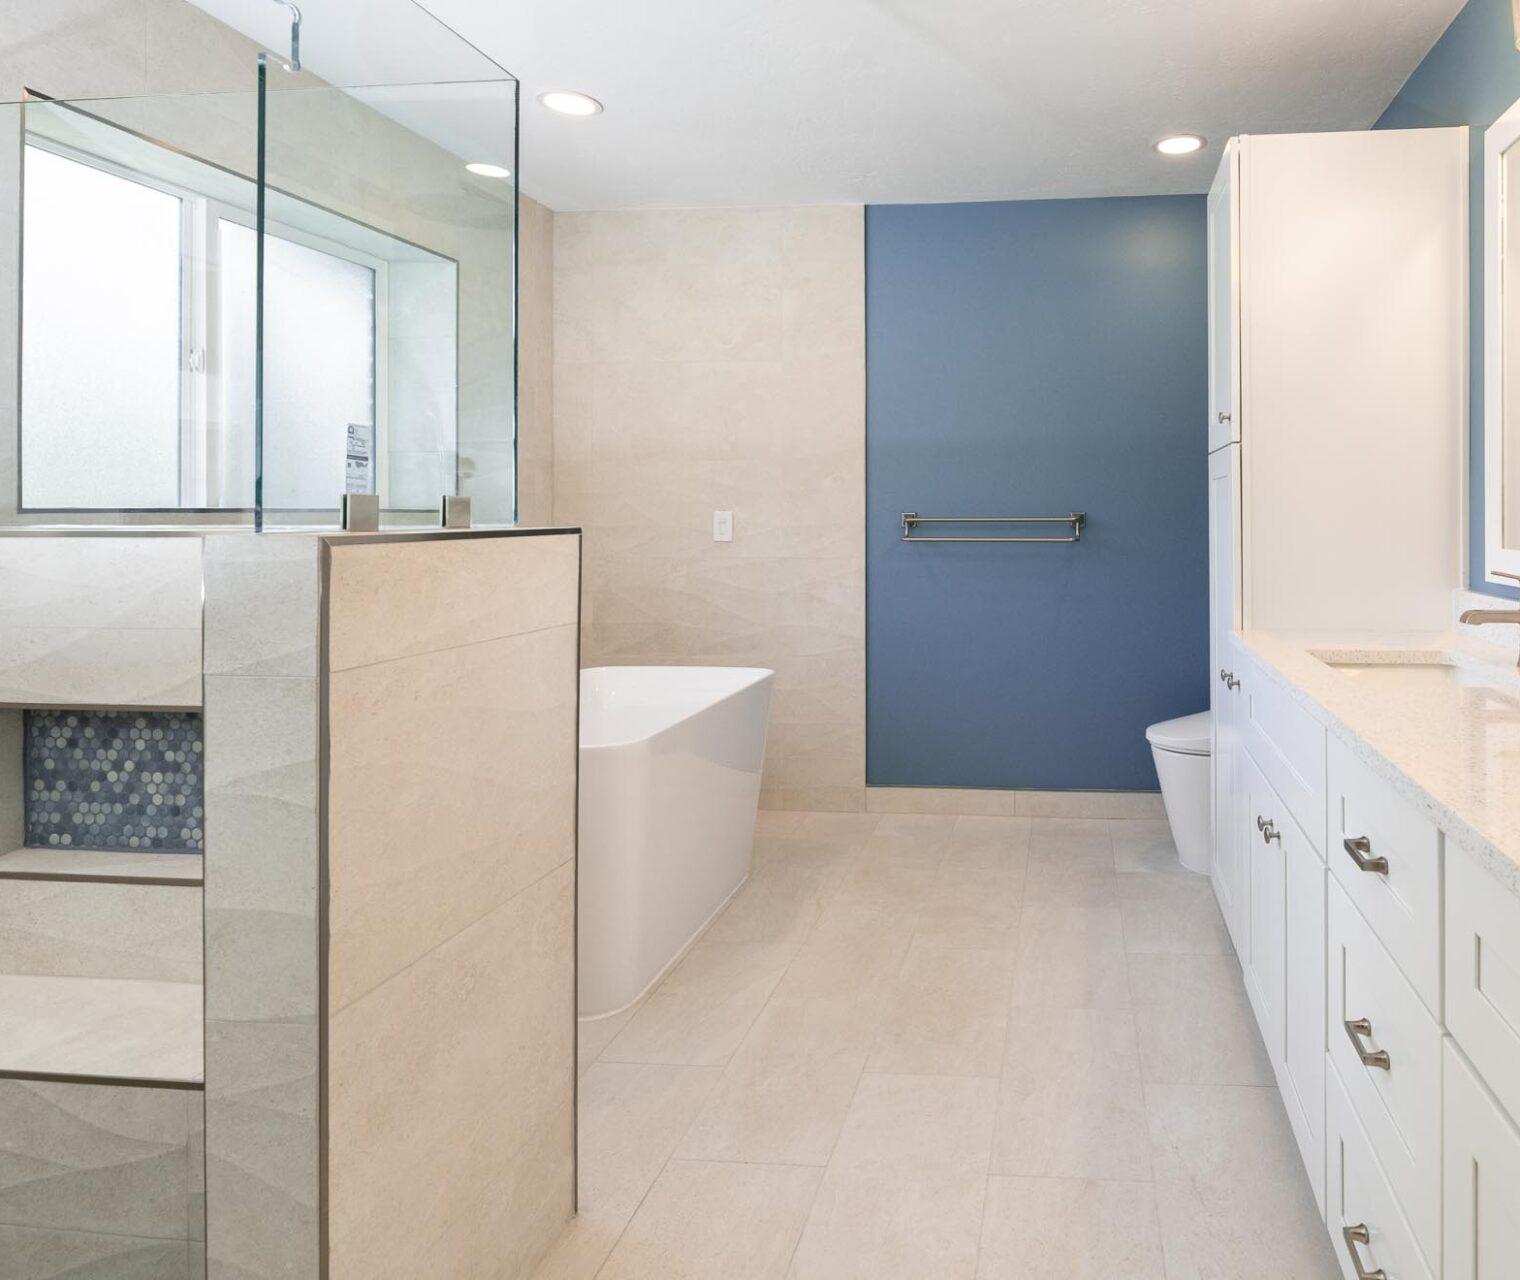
[670,781]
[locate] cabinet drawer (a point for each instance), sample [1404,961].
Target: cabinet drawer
[1399,896]
[1483,973]
[1482,1178]
[1289,747]
[1398,1104]
[1359,1197]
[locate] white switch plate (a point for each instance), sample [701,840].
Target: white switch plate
[723,526]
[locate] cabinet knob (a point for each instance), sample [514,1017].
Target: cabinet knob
[1230,682]
[1357,1028]
[1268,829]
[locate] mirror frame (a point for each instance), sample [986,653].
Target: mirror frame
[1497,139]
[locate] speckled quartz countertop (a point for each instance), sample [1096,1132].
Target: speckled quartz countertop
[1449,742]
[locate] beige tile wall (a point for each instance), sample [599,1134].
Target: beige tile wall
[96,1180]
[262,877]
[450,856]
[715,360]
[100,622]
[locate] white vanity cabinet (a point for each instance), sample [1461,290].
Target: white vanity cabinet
[1337,421]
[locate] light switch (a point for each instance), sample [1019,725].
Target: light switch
[723,526]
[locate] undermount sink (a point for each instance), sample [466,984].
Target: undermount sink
[1417,668]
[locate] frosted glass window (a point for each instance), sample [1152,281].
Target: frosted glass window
[100,354]
[319,362]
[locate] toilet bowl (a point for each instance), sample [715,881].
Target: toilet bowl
[1181,750]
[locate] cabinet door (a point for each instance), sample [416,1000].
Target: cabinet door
[1303,1069]
[1226,671]
[1264,963]
[1481,1229]
[1224,308]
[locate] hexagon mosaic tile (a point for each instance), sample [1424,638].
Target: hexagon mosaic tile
[115,780]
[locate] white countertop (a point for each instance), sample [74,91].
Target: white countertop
[1452,749]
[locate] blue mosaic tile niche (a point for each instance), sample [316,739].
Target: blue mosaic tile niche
[115,780]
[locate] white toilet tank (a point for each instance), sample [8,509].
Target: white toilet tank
[1181,750]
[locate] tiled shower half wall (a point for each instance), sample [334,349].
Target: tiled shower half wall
[114,780]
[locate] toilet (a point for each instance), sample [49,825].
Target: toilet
[1181,750]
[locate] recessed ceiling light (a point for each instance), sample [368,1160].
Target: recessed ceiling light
[569,103]
[488,170]
[1180,144]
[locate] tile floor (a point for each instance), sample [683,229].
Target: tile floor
[937,1047]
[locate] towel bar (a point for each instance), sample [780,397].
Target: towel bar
[911,520]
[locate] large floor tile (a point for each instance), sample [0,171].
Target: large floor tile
[1069,1100]
[947,1013]
[632,1115]
[779,903]
[853,953]
[1077,876]
[1233,1200]
[918,1122]
[902,1196]
[1070,835]
[1145,845]
[702,1011]
[892,1223]
[843,829]
[1194,1021]
[963,901]
[1070,1229]
[784,1095]
[593,1035]
[1071,958]
[702,1220]
[1009,833]
[1173,915]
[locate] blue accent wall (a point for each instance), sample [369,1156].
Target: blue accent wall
[1470,77]
[1035,358]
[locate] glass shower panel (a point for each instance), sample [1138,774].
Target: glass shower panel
[367,169]
[114,389]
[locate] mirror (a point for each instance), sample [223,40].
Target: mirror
[1501,374]
[139,345]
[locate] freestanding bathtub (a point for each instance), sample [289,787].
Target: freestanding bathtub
[670,781]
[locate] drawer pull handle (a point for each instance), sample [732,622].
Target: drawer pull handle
[1268,829]
[1359,847]
[1356,1028]
[1360,1235]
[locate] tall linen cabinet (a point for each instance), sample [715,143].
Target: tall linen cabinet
[1336,435]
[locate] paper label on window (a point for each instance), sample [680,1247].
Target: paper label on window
[359,463]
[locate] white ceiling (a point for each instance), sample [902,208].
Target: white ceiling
[717,102]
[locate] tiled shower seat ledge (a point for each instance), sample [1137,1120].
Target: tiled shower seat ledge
[105,864]
[102,1029]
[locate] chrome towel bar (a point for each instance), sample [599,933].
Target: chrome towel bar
[911,520]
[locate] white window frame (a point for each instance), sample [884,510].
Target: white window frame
[202,416]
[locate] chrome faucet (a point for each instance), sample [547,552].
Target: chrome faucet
[1477,617]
